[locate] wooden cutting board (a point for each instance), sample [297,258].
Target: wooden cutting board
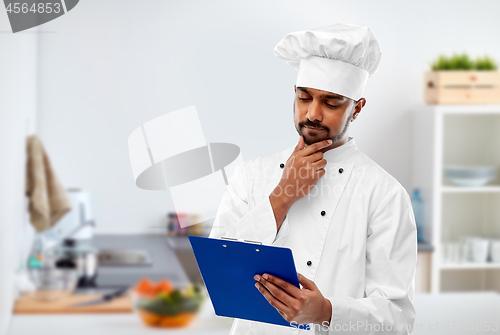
[27,305]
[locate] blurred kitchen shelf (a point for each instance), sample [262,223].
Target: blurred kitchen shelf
[469,266]
[465,109]
[482,189]
[457,135]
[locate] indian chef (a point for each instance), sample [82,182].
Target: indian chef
[348,222]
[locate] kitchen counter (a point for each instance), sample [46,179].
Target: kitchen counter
[206,323]
[440,310]
[165,265]
[436,314]
[457,313]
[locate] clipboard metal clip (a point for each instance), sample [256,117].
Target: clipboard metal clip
[237,240]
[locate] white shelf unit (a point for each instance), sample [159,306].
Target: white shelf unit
[454,135]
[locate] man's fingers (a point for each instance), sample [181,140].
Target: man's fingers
[315,147]
[278,282]
[271,299]
[314,157]
[319,164]
[277,292]
[321,173]
[320,145]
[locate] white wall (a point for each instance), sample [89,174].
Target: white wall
[17,118]
[110,65]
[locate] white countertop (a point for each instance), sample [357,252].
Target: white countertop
[445,313]
[457,313]
[206,322]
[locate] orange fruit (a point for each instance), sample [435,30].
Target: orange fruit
[149,318]
[179,320]
[164,286]
[145,287]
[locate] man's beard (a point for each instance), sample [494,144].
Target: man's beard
[309,123]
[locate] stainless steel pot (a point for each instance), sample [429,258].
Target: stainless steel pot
[80,256]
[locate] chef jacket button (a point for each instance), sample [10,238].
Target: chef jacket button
[323,213]
[282,165]
[341,170]
[309,263]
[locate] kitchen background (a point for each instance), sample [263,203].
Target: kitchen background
[85,81]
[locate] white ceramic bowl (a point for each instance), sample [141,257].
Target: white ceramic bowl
[470,175]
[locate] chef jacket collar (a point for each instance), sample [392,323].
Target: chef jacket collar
[342,152]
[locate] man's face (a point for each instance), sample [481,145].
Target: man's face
[321,115]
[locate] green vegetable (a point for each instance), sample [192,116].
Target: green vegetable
[462,62]
[173,303]
[486,63]
[160,306]
[191,304]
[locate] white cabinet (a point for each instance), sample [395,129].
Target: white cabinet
[457,135]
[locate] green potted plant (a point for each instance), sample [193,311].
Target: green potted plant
[459,79]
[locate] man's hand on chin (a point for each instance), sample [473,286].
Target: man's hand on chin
[306,305]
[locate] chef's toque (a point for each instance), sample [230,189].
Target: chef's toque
[339,58]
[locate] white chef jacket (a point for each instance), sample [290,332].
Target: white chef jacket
[356,227]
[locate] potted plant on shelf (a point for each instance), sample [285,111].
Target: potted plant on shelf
[460,80]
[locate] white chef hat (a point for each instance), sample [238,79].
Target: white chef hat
[338,58]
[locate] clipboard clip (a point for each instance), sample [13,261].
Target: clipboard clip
[237,240]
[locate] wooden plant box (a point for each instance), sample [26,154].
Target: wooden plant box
[462,87]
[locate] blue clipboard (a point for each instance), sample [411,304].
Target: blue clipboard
[228,267]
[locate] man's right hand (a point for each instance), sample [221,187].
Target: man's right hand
[302,170]
[301,173]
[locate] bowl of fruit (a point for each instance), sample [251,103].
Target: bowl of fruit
[163,305]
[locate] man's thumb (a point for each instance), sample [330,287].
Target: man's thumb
[306,283]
